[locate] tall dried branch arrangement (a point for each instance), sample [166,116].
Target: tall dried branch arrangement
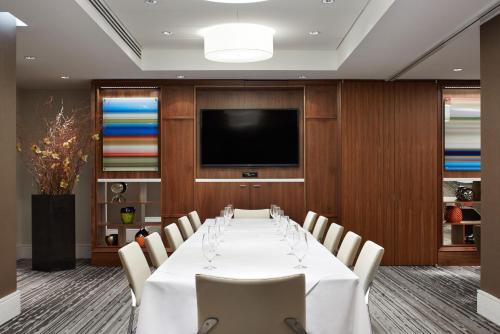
[55,158]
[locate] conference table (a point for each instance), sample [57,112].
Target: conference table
[253,249]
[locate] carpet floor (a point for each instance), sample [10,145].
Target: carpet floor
[96,300]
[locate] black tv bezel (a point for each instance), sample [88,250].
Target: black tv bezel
[200,150]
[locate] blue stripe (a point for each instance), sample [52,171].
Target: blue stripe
[462,165]
[129,130]
[453,152]
[130,105]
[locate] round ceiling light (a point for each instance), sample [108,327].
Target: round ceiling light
[236,1]
[238,42]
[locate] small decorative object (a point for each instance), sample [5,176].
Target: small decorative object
[453,214]
[111,240]
[464,194]
[140,236]
[127,215]
[118,189]
[476,189]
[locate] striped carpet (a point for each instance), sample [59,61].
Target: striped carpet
[96,300]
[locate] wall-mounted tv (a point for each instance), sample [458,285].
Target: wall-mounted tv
[249,137]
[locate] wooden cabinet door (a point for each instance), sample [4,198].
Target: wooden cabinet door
[416,172]
[212,197]
[288,195]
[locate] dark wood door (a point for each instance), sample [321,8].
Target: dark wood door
[416,172]
[212,197]
[288,195]
[367,163]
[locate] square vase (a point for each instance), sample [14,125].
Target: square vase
[53,232]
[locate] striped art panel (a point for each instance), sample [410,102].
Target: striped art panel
[130,134]
[462,125]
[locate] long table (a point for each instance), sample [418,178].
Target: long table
[252,249]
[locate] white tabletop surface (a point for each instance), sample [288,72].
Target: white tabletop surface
[252,249]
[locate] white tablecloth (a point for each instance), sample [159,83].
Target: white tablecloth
[252,249]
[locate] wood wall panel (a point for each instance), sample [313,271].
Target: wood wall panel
[321,101]
[367,163]
[321,166]
[416,177]
[289,196]
[178,102]
[254,97]
[211,197]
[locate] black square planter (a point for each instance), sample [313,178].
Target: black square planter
[53,232]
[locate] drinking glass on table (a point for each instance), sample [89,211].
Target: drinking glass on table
[300,249]
[208,245]
[285,225]
[219,227]
[271,210]
[292,236]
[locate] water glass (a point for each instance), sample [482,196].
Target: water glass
[208,245]
[300,249]
[292,236]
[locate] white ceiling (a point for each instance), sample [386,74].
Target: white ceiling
[377,42]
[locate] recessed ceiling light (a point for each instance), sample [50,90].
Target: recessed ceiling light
[64,77]
[314,33]
[180,76]
[236,1]
[328,1]
[302,76]
[150,2]
[458,69]
[29,57]
[167,33]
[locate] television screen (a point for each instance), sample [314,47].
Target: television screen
[249,137]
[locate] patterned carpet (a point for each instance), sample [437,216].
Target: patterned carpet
[96,300]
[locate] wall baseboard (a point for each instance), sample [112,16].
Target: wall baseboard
[488,306]
[82,251]
[10,306]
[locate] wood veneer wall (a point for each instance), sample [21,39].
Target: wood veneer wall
[389,167]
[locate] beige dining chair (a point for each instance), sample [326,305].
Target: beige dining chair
[229,306]
[309,221]
[367,265]
[137,271]
[174,236]
[185,227]
[333,236]
[349,248]
[255,214]
[319,228]
[194,218]
[156,249]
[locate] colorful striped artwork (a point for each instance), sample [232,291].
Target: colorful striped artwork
[130,133]
[462,125]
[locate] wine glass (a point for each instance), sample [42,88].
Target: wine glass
[271,210]
[300,249]
[292,236]
[208,245]
[285,225]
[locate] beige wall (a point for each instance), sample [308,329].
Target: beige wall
[8,158]
[28,102]
[490,156]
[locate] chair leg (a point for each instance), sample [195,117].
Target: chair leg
[131,320]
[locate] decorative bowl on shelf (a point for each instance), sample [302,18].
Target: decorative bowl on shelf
[453,214]
[464,194]
[111,240]
[127,215]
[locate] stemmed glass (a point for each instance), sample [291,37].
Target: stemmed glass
[285,224]
[271,210]
[300,249]
[209,246]
[220,224]
[292,236]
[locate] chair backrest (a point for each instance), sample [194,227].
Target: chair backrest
[174,236]
[368,262]
[320,228]
[333,236]
[136,268]
[194,218]
[156,249]
[251,306]
[349,248]
[185,227]
[309,221]
[256,214]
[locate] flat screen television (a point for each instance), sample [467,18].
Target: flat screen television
[249,137]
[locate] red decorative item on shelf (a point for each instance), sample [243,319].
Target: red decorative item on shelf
[453,214]
[140,237]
